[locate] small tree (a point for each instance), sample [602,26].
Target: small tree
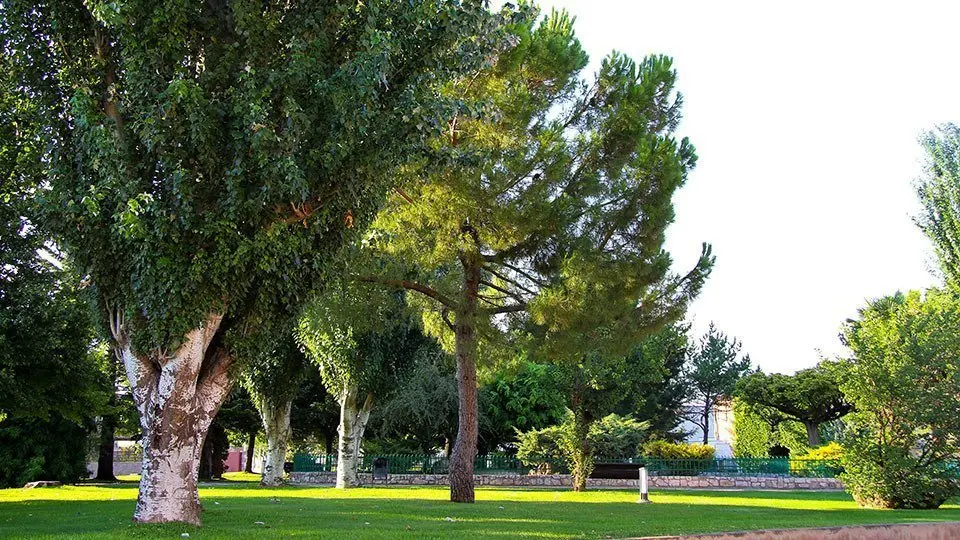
[362,344]
[713,368]
[272,378]
[811,397]
[904,382]
[658,395]
[423,408]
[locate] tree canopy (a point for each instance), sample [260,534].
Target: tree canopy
[548,208]
[810,396]
[903,380]
[714,366]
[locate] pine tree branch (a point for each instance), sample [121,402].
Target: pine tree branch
[412,286]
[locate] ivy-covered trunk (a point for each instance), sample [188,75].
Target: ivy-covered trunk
[579,447]
[353,422]
[177,397]
[276,426]
[465,447]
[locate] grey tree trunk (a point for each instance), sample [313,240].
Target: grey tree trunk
[353,422]
[276,426]
[177,396]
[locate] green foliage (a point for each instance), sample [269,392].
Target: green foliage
[615,436]
[656,391]
[524,399]
[829,451]
[557,196]
[423,407]
[50,448]
[541,448]
[903,379]
[757,429]
[939,193]
[612,437]
[669,450]
[713,368]
[315,414]
[360,337]
[209,157]
[811,396]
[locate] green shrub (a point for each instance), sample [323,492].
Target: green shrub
[42,449]
[612,437]
[617,436]
[820,462]
[540,449]
[669,450]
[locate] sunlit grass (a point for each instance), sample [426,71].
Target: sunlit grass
[233,510]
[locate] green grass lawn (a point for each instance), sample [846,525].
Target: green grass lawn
[233,510]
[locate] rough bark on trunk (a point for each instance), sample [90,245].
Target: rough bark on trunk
[353,422]
[177,396]
[813,434]
[465,447]
[251,448]
[276,426]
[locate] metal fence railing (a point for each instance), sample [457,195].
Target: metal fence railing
[504,464]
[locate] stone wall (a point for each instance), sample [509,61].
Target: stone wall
[563,480]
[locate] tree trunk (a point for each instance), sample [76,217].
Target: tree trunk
[276,425]
[465,447]
[108,426]
[353,422]
[177,397]
[813,434]
[105,449]
[251,448]
[706,422]
[582,451]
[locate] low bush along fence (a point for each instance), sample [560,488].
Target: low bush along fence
[504,464]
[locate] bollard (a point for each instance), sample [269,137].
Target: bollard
[644,486]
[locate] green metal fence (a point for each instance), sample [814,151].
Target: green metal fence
[504,464]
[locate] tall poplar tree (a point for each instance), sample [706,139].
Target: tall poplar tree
[202,160]
[549,208]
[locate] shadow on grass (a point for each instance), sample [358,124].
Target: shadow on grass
[252,513]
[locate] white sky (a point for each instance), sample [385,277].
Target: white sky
[805,117]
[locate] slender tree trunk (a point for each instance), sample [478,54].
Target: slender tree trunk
[251,449]
[813,434]
[465,447]
[276,426]
[353,422]
[177,397]
[706,421]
